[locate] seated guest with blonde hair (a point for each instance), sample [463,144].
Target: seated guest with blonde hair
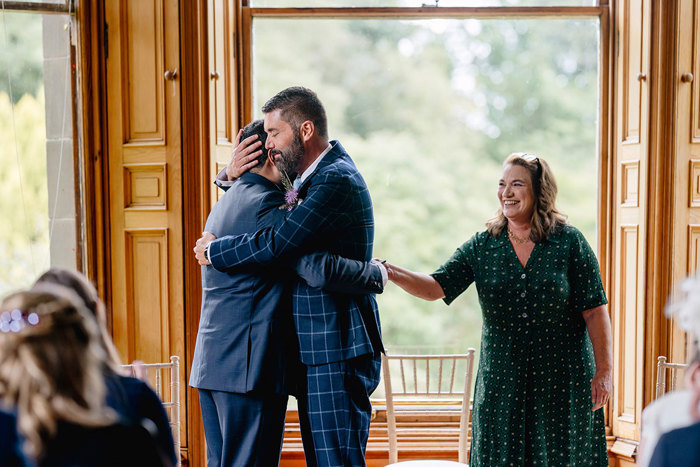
[51,379]
[132,399]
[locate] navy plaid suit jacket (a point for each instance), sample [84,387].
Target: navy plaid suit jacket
[335,215]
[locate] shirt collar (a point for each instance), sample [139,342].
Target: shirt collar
[314,164]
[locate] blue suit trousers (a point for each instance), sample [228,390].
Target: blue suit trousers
[242,429]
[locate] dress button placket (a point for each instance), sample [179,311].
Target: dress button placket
[522,295]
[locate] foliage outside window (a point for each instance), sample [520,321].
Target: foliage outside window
[429,110]
[35,153]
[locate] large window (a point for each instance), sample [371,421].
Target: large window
[429,109]
[37,194]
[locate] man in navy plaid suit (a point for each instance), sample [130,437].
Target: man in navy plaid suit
[339,335]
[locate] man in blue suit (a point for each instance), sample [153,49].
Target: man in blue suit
[246,356]
[339,335]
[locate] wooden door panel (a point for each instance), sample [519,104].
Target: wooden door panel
[145,181]
[626,409]
[631,39]
[687,193]
[223,98]
[142,71]
[630,215]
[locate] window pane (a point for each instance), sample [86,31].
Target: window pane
[36,155]
[429,110]
[413,3]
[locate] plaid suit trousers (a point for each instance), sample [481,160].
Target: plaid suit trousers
[335,412]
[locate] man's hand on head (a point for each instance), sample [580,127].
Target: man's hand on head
[244,156]
[200,248]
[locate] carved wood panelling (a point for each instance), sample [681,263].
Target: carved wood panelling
[630,183]
[142,71]
[694,183]
[145,186]
[693,248]
[145,180]
[629,294]
[224,100]
[223,92]
[631,52]
[686,212]
[627,324]
[147,294]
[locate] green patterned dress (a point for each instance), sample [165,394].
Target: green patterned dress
[532,402]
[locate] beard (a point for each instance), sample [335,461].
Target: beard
[288,159]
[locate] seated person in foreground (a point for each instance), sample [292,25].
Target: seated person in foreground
[51,377]
[132,399]
[676,416]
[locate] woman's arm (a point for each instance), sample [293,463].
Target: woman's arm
[598,325]
[416,283]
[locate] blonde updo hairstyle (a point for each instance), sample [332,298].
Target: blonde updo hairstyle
[84,289]
[51,367]
[546,218]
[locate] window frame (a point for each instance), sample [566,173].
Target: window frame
[244,46]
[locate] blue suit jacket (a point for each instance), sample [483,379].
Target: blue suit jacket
[11,454]
[334,216]
[678,448]
[246,334]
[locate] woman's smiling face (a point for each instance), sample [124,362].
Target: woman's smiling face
[515,193]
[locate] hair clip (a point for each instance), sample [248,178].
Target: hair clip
[16,320]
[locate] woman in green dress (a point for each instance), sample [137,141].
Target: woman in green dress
[545,361]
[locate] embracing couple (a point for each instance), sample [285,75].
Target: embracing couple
[288,304]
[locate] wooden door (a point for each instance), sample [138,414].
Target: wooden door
[686,202]
[223,100]
[632,19]
[145,247]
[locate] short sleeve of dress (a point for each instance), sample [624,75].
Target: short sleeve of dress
[457,273]
[584,274]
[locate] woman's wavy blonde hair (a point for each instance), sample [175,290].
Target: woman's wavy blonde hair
[51,371]
[546,218]
[82,286]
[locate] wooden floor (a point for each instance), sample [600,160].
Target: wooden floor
[423,433]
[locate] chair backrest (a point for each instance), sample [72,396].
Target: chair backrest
[661,368]
[427,378]
[169,392]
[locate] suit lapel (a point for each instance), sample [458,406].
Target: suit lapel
[337,151]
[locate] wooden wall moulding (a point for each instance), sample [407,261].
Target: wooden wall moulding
[694,187]
[147,307]
[626,326]
[629,184]
[633,71]
[145,187]
[143,68]
[693,248]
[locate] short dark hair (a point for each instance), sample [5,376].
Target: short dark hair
[299,104]
[257,127]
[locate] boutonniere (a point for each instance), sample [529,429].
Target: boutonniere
[291,194]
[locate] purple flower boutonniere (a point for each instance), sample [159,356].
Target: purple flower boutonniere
[291,194]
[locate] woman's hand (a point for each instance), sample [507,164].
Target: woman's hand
[598,326]
[601,387]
